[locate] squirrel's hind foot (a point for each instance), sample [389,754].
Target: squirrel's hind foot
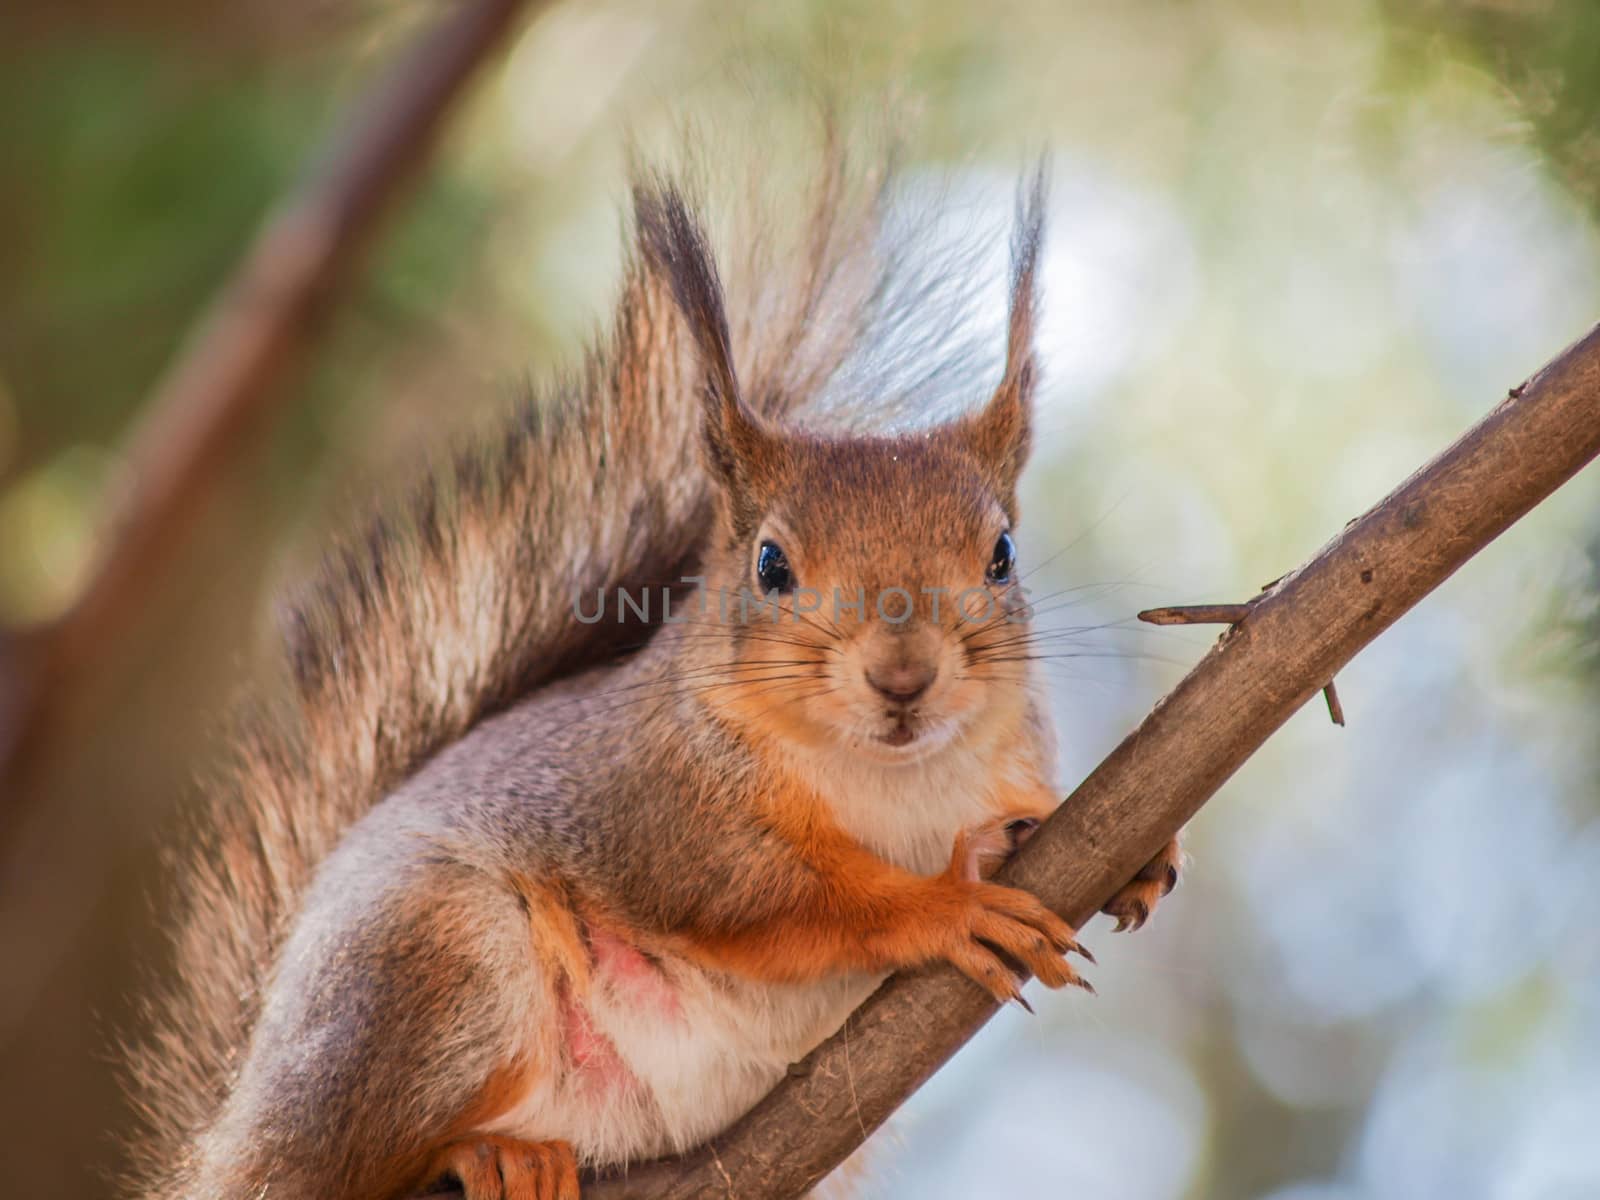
[1133,905]
[491,1167]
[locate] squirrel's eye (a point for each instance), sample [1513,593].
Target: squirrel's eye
[772,569]
[1004,561]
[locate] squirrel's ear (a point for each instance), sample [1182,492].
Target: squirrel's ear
[1003,431]
[674,247]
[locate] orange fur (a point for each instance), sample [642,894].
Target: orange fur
[490,1167]
[852,911]
[554,933]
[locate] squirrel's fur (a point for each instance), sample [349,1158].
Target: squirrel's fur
[355,1007]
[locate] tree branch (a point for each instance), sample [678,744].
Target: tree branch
[1293,639]
[231,371]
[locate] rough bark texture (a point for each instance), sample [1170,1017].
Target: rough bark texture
[1294,639]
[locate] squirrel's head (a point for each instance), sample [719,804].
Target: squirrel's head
[867,588]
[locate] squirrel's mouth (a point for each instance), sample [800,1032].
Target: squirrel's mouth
[901,733]
[911,736]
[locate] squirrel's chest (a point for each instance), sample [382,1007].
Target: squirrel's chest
[910,815]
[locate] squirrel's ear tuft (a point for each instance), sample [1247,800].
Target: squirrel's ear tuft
[675,249]
[1003,431]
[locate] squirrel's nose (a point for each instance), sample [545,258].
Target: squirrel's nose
[903,683]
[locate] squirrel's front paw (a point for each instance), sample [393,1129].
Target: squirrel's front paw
[1133,905]
[1016,923]
[490,1167]
[1008,920]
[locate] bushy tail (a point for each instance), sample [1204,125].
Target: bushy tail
[461,599]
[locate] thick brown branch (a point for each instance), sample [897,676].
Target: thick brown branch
[234,364]
[1294,639]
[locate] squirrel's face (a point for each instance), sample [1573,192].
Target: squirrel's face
[872,592]
[869,586]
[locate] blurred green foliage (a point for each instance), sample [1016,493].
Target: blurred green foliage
[131,182]
[135,172]
[1545,53]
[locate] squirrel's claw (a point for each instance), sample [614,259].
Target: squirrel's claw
[1005,926]
[1131,914]
[1133,905]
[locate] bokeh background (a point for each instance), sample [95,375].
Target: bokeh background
[1296,248]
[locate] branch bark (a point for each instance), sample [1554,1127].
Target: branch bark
[1294,639]
[231,371]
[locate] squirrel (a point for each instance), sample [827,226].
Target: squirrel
[508,890]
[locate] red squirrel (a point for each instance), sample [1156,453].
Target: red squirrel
[515,886]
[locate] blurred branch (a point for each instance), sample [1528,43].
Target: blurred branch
[233,367]
[1293,639]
